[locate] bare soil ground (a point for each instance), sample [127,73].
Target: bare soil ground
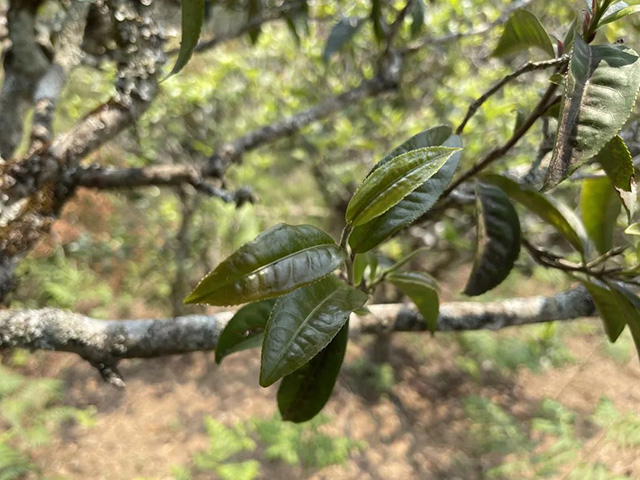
[417,430]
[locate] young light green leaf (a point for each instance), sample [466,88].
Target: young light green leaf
[613,308]
[523,31]
[498,240]
[617,163]
[422,289]
[304,393]
[538,204]
[389,184]
[633,229]
[599,206]
[368,236]
[278,261]
[245,330]
[192,18]
[341,33]
[619,14]
[303,323]
[600,92]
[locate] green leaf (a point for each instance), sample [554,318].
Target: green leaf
[392,182]
[600,92]
[422,289]
[254,8]
[371,234]
[278,261]
[633,229]
[617,163]
[245,330]
[341,33]
[417,17]
[599,206]
[498,240]
[304,393]
[619,14]
[377,20]
[404,260]
[632,319]
[523,31]
[569,36]
[612,307]
[538,204]
[303,323]
[192,18]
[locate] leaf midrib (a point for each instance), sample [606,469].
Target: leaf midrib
[299,329]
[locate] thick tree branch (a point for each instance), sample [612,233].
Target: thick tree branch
[104,342]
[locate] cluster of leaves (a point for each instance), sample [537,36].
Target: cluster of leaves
[300,309]
[293,445]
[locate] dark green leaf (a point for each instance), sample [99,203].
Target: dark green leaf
[245,330]
[612,307]
[422,289]
[341,33]
[417,203]
[600,92]
[567,41]
[632,319]
[523,31]
[498,242]
[304,393]
[253,12]
[377,20]
[278,261]
[417,17]
[538,204]
[619,14]
[617,163]
[599,206]
[303,323]
[192,18]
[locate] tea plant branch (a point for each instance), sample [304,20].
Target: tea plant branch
[528,67]
[104,342]
[499,152]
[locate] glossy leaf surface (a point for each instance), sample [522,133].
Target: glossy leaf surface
[498,240]
[538,204]
[303,393]
[371,234]
[303,323]
[600,91]
[278,261]
[245,330]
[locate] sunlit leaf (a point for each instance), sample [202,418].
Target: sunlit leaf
[371,234]
[278,261]
[341,33]
[600,92]
[192,18]
[633,229]
[538,204]
[619,14]
[523,31]
[599,206]
[303,323]
[303,393]
[498,240]
[245,330]
[617,163]
[422,289]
